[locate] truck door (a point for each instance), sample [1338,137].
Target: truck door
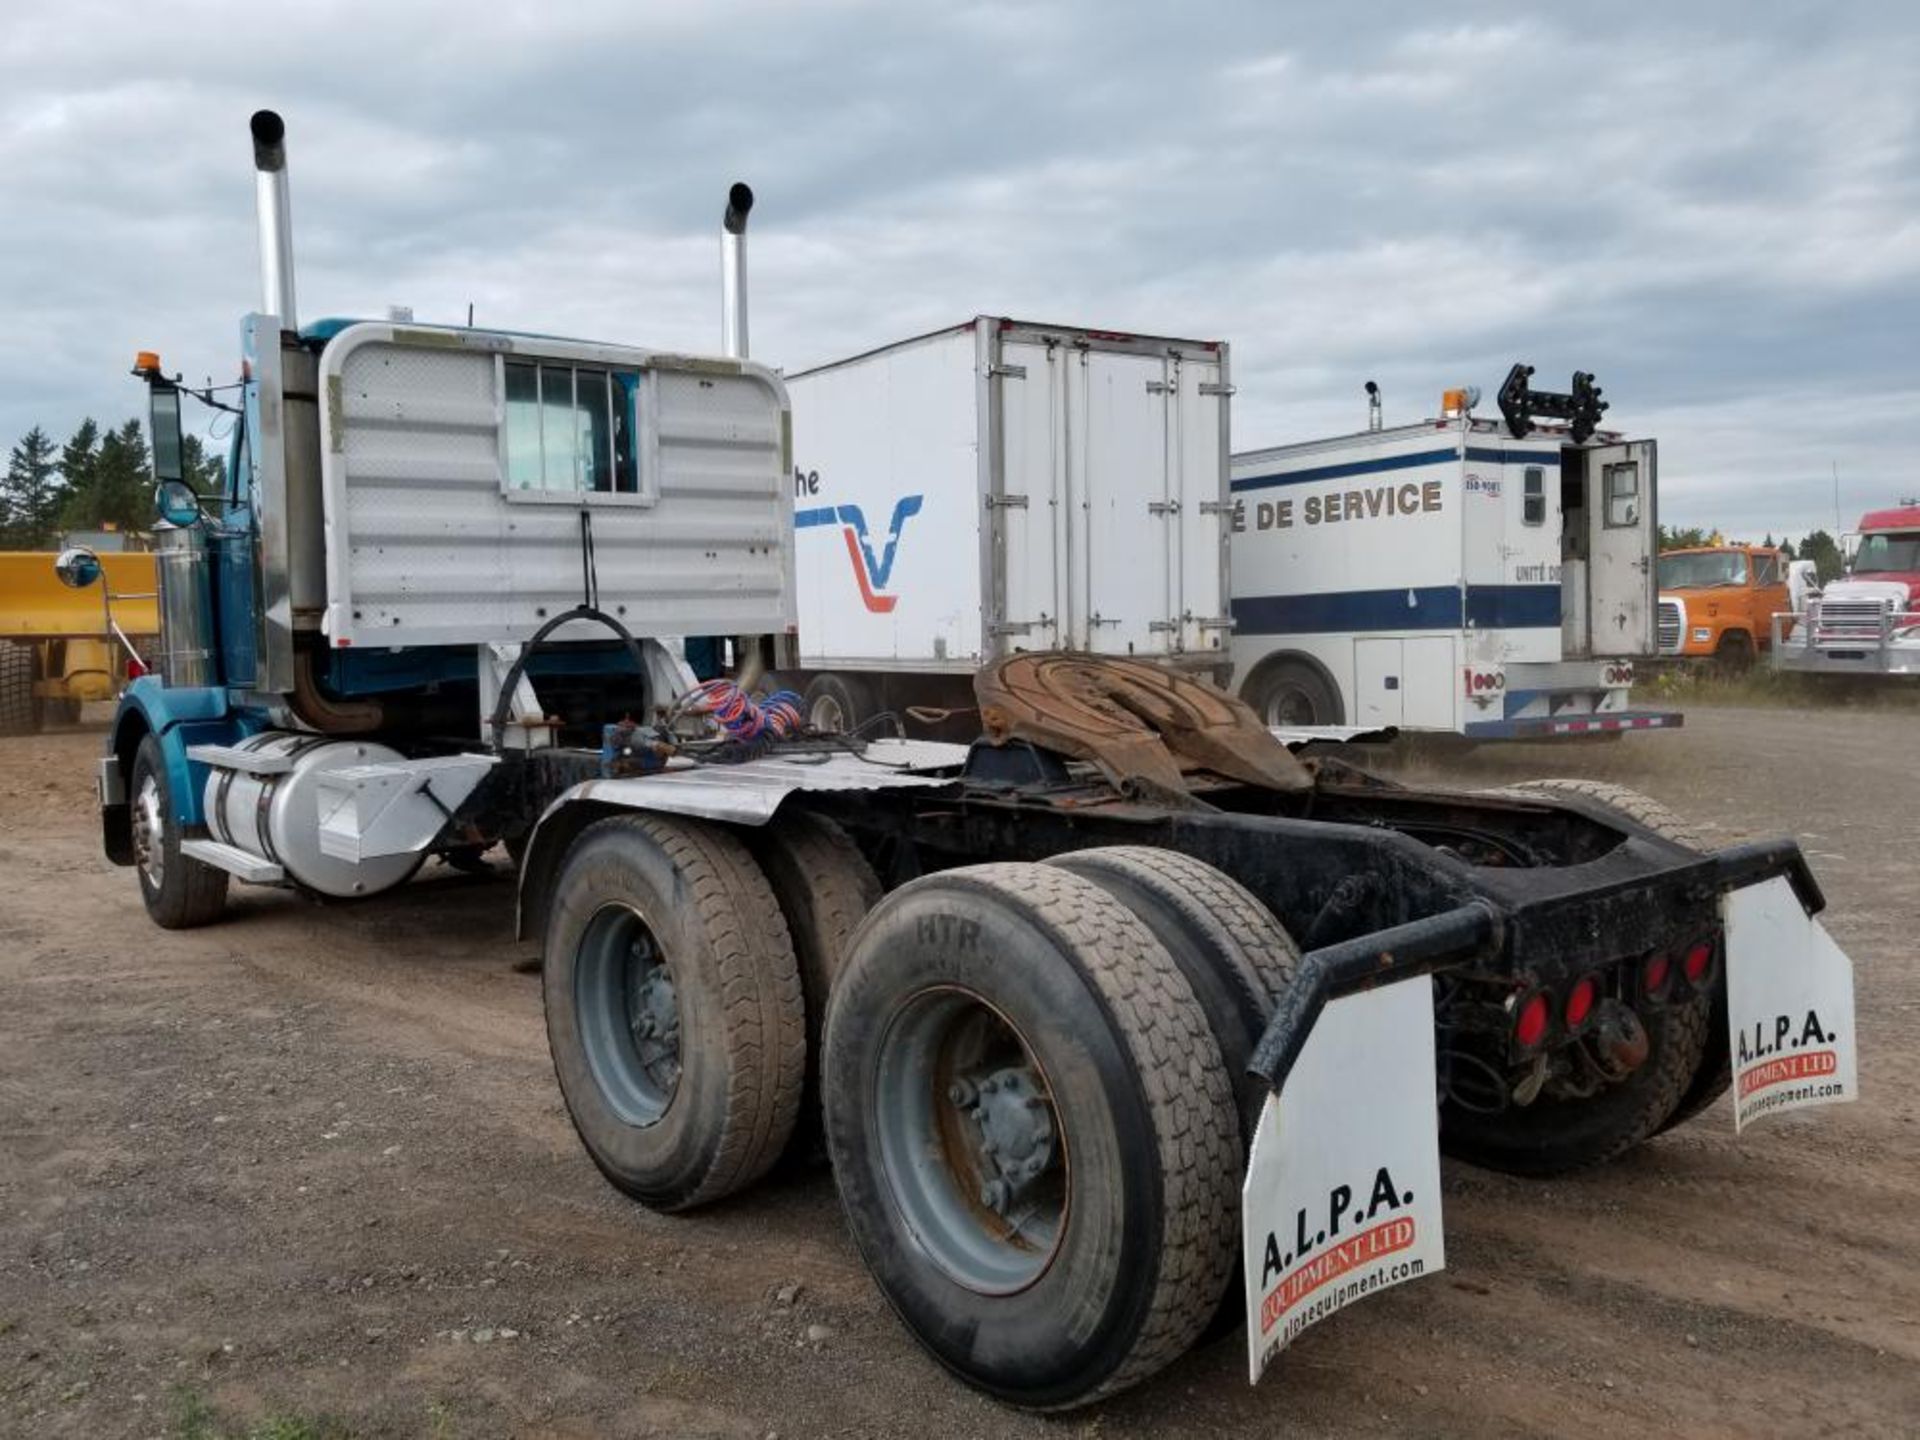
[1118,412]
[1026,508]
[1379,688]
[1620,572]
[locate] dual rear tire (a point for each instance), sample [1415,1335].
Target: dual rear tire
[1031,1094]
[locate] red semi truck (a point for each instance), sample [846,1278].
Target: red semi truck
[1868,621]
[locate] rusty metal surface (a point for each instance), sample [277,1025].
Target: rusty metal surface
[1144,726]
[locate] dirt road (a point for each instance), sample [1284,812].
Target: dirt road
[312,1163]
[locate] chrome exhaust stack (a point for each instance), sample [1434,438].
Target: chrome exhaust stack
[733,272]
[275,211]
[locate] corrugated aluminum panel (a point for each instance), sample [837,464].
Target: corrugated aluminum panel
[427,545]
[750,792]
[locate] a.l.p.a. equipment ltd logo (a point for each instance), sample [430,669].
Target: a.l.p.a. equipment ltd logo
[871,570]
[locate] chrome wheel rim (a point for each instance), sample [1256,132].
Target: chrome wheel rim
[149,831]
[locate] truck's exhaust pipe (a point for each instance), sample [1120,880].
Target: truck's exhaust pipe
[733,272]
[275,212]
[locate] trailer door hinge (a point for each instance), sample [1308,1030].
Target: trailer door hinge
[1216,387]
[1011,627]
[1216,507]
[1217,622]
[1162,627]
[1006,502]
[1163,507]
[1158,387]
[1008,372]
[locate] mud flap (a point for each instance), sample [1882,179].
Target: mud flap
[1789,1006]
[1342,1195]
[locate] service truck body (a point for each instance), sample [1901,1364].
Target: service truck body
[1446,576]
[1000,487]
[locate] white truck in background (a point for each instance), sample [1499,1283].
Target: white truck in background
[999,487]
[1490,578]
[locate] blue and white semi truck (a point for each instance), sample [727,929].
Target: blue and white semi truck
[1090,1009]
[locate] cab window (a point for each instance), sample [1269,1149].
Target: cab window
[1766,569]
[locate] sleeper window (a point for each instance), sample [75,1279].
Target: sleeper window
[1623,494]
[569,430]
[1533,496]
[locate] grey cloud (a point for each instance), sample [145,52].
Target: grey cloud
[1717,207]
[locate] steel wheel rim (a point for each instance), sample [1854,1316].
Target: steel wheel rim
[149,832]
[970,1142]
[629,1014]
[826,715]
[1289,704]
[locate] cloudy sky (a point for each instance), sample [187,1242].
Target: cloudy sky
[1715,206]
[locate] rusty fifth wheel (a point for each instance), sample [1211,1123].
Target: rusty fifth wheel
[1032,1131]
[673,1009]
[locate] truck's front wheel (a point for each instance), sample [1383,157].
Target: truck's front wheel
[1032,1131]
[673,1009]
[180,892]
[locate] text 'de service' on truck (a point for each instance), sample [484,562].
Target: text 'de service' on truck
[1490,578]
[1118,1001]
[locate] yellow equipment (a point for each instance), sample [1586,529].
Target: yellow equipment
[60,647]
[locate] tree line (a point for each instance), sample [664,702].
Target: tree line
[1818,546]
[100,479]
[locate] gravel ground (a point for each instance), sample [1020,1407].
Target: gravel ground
[310,1167]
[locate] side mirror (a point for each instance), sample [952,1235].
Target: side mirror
[169,450]
[77,567]
[175,503]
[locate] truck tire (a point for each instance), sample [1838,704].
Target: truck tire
[180,892]
[837,703]
[1292,692]
[1227,944]
[21,712]
[1735,653]
[825,887]
[1032,1132]
[1551,1136]
[673,1009]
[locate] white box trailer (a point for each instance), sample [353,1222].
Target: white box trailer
[1002,486]
[1446,576]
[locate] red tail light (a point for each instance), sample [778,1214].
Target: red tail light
[1698,962]
[135,667]
[1655,974]
[1580,1002]
[1531,1027]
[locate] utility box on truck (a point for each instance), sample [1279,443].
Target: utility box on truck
[1446,576]
[999,487]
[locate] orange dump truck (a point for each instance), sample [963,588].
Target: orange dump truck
[1718,601]
[59,648]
